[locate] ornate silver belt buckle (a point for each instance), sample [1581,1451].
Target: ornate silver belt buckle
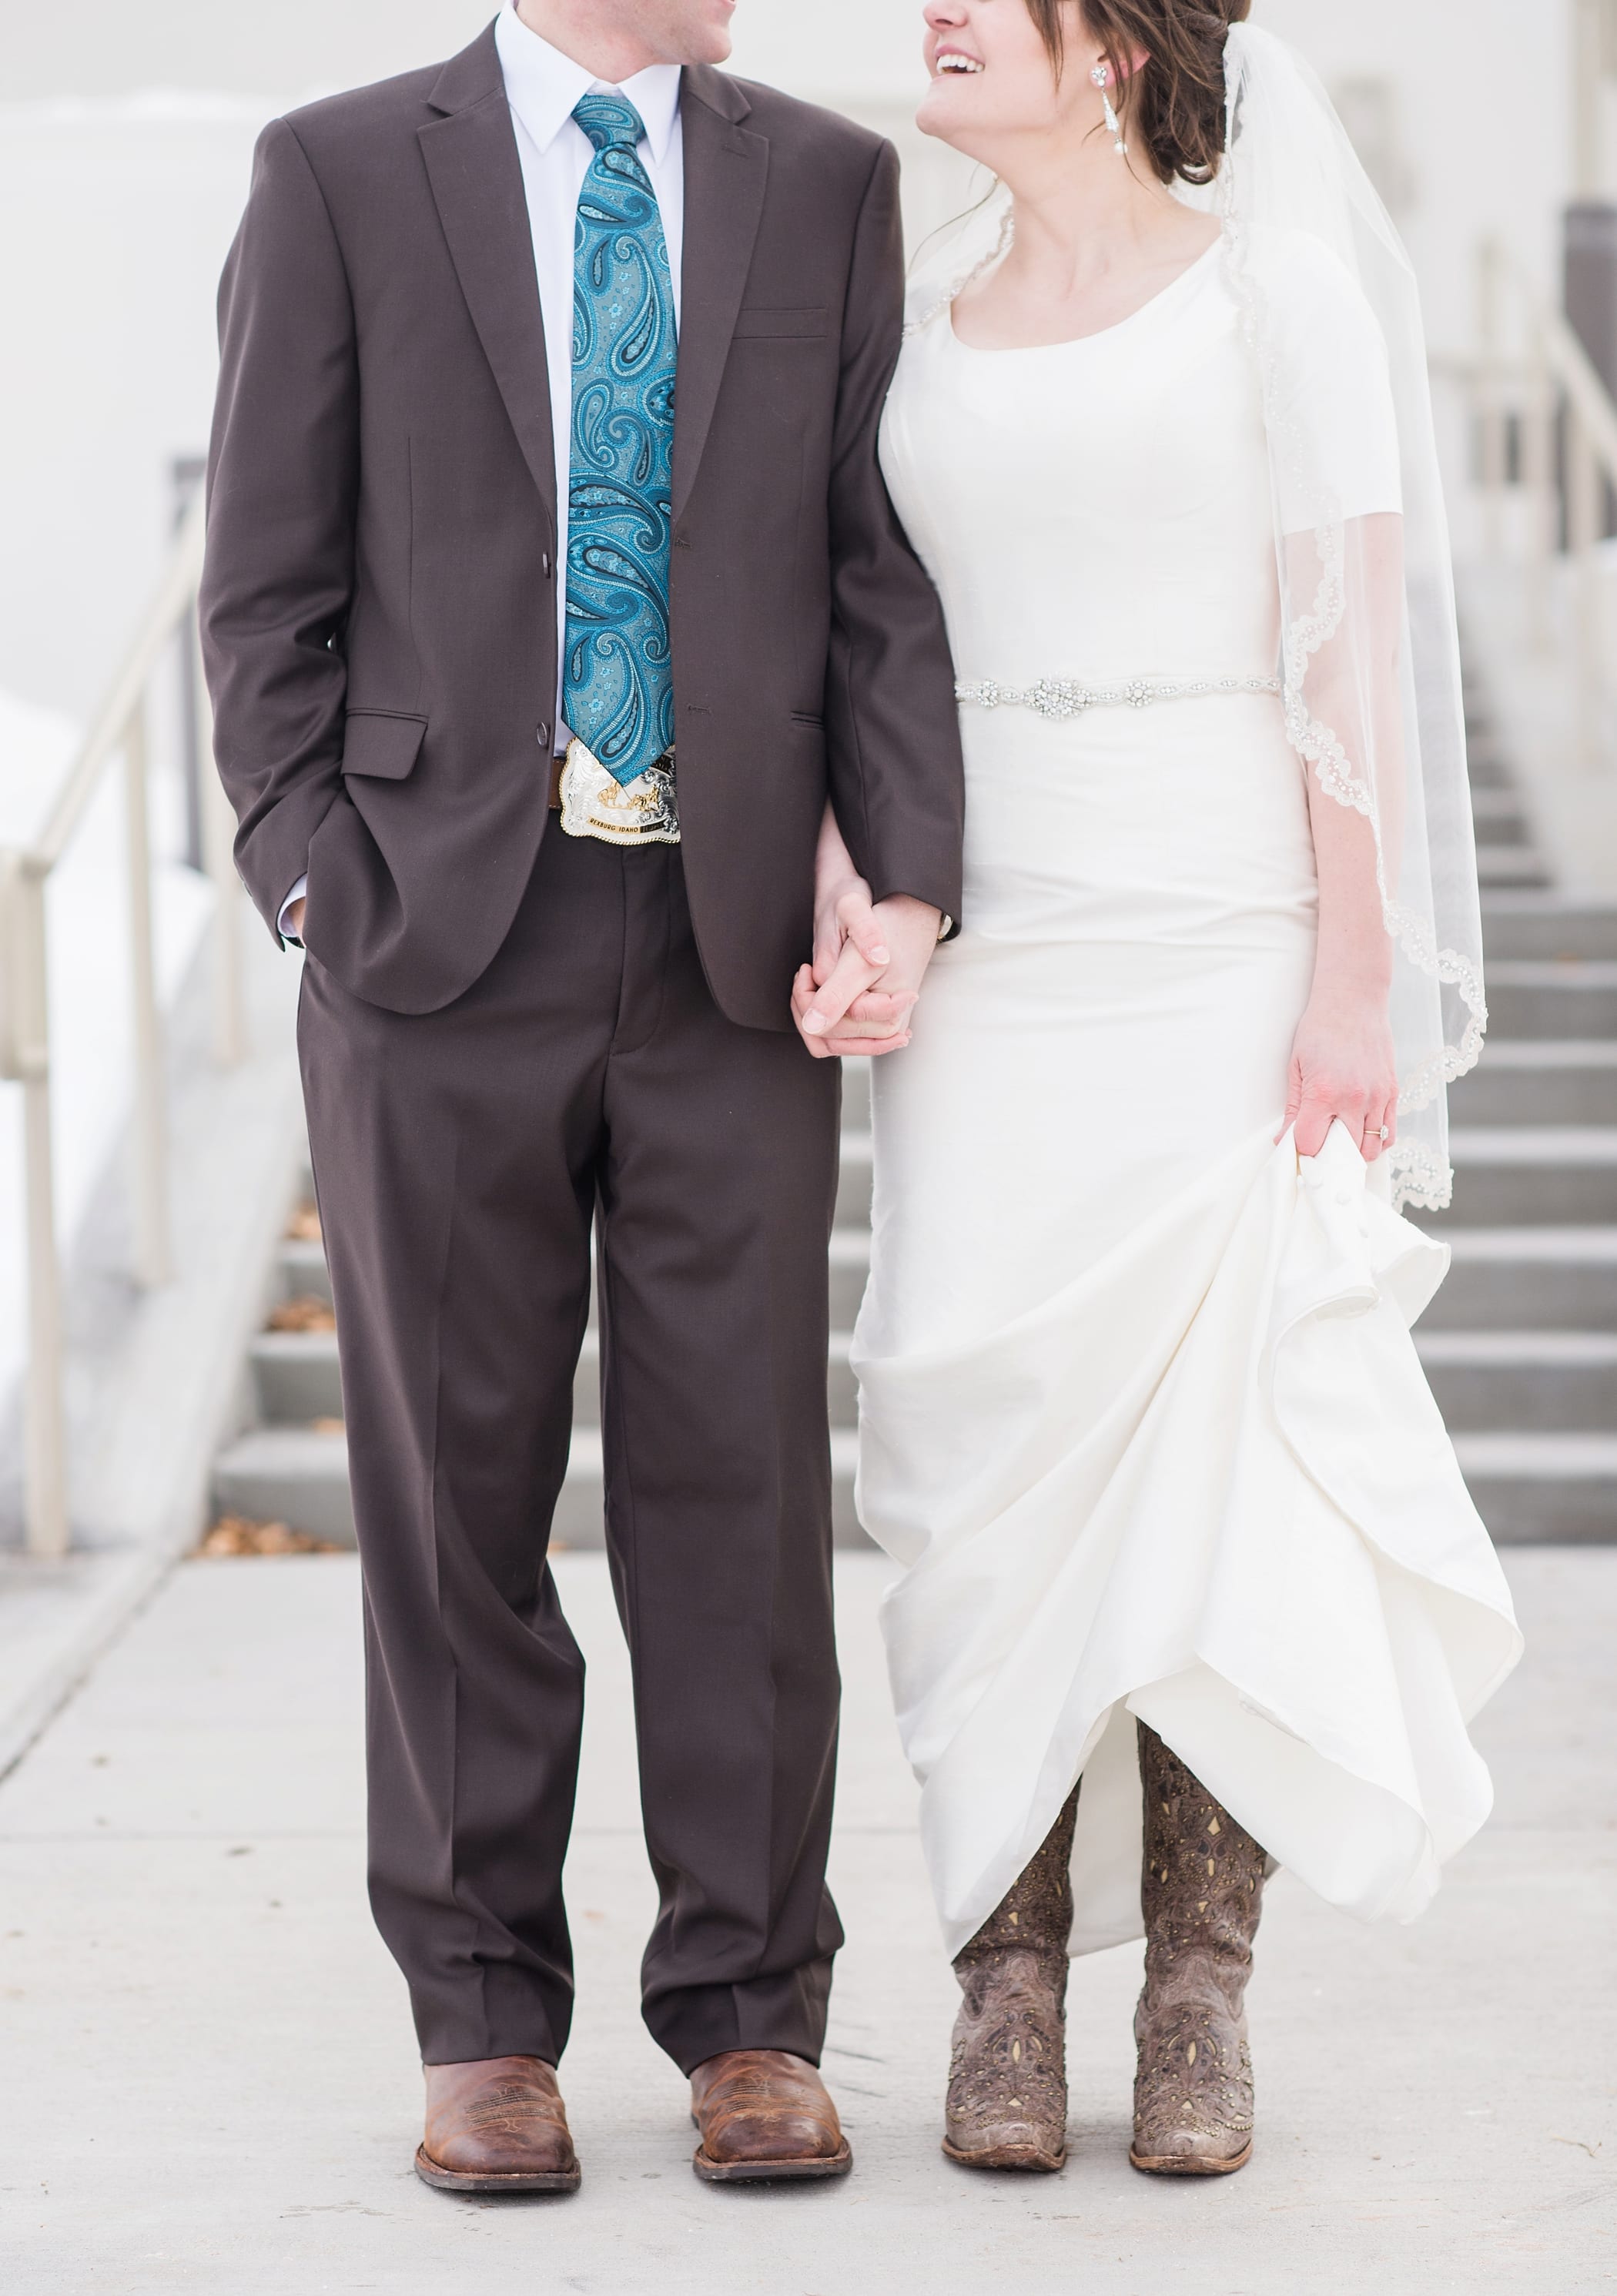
[641,812]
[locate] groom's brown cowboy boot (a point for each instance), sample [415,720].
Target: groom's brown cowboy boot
[765,2117]
[1007,2085]
[1202,1891]
[498,2126]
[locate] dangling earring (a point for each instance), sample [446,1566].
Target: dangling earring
[1101,77]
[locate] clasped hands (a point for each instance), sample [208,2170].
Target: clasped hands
[855,1000]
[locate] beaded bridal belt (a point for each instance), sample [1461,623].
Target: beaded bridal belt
[1068,697]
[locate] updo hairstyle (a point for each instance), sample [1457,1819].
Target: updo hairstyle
[1173,109]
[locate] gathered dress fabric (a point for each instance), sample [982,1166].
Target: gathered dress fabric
[1141,1414]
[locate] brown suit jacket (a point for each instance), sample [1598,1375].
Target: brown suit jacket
[378,609]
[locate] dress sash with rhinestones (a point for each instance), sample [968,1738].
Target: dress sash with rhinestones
[1070,697]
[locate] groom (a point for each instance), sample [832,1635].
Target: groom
[552,589]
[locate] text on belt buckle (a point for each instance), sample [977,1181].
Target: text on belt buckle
[641,812]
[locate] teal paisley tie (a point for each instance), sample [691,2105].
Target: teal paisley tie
[618,682]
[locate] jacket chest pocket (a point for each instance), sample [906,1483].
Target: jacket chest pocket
[382,744]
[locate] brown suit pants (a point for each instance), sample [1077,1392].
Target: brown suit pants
[588,1081]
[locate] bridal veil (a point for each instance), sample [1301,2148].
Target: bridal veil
[1369,648]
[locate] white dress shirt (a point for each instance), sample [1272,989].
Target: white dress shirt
[543,87]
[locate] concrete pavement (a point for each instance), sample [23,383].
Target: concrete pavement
[210,2085]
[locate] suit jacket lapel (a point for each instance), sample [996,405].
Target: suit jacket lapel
[476,176]
[727,167]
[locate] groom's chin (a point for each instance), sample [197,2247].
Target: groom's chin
[713,44]
[716,42]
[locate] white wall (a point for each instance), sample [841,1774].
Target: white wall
[113,225]
[111,47]
[116,206]
[1484,91]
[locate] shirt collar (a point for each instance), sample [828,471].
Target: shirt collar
[544,87]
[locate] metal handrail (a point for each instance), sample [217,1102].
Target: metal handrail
[118,732]
[1533,378]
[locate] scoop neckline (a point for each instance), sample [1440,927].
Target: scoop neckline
[1099,334]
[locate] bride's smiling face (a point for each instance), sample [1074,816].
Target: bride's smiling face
[992,74]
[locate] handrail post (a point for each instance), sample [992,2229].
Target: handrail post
[219,844]
[1544,502]
[1585,507]
[152,1241]
[25,1058]
[1488,405]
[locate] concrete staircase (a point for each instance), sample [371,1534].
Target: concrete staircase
[291,1466]
[1521,1345]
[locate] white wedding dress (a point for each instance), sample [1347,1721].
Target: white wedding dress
[1141,1414]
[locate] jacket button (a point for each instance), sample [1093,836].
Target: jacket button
[542,735]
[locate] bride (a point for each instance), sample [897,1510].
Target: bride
[1192,1585]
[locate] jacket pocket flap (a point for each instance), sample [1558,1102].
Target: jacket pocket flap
[381,745]
[758,321]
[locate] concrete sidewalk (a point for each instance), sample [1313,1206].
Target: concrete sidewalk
[208,2081]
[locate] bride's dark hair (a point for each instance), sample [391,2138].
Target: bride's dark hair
[1174,107]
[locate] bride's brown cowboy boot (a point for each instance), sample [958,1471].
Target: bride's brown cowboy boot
[1007,2088]
[1202,1892]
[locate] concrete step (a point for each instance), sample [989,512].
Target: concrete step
[856,1095]
[1546,925]
[1542,1490]
[1510,864]
[298,1477]
[293,1475]
[849,1272]
[1488,769]
[304,1273]
[1539,1081]
[853,1189]
[1540,996]
[1514,1174]
[1501,828]
[1536,1383]
[1528,1487]
[1528,1279]
[296,1378]
[1497,805]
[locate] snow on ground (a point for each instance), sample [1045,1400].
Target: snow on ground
[91,1017]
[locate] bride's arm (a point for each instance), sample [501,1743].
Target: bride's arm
[1344,1066]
